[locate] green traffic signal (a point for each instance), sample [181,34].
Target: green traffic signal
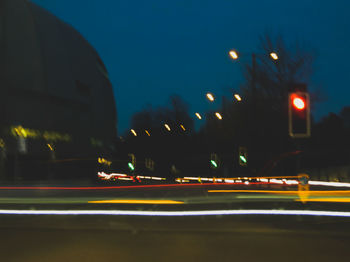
[242,156]
[213,163]
[243,159]
[131,166]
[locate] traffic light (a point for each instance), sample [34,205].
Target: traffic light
[149,163]
[299,114]
[132,162]
[242,156]
[214,161]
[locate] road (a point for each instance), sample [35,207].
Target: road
[169,194]
[248,237]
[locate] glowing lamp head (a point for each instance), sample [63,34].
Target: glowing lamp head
[298,103]
[274,56]
[233,54]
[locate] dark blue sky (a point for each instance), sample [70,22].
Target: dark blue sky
[156,48]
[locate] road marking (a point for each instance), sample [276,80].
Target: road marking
[178,213]
[136,201]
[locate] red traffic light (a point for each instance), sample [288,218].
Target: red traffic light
[298,102]
[299,114]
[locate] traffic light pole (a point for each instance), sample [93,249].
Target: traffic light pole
[298,160]
[254,107]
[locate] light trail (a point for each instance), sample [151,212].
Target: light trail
[178,213]
[324,183]
[128,187]
[284,192]
[335,200]
[228,183]
[136,201]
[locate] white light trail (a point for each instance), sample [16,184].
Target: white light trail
[323,183]
[291,182]
[118,174]
[277,181]
[125,178]
[178,213]
[156,178]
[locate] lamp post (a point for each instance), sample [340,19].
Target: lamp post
[235,55]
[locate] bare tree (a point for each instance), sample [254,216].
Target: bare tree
[273,78]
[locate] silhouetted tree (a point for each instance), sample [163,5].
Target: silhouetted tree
[168,148]
[260,120]
[345,115]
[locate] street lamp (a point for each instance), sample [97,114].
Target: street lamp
[233,54]
[167,127]
[218,115]
[238,97]
[133,132]
[146,131]
[210,97]
[274,56]
[198,116]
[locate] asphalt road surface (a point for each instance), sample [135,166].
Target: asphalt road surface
[173,238]
[50,238]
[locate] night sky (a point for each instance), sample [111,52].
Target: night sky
[153,49]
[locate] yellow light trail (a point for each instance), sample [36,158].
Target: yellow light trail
[136,201]
[341,196]
[340,200]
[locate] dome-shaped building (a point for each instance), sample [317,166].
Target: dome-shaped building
[56,99]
